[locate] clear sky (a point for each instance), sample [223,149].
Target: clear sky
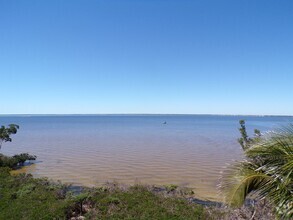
[151,56]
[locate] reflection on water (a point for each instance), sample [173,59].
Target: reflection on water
[91,150]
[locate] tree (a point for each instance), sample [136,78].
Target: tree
[21,158]
[244,140]
[267,172]
[18,159]
[6,132]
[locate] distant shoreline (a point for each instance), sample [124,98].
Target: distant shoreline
[153,115]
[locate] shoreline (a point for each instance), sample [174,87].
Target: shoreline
[158,187]
[140,200]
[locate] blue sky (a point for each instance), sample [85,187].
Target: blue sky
[132,56]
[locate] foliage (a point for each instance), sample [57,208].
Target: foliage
[21,158]
[245,141]
[16,160]
[6,132]
[267,172]
[139,203]
[79,202]
[23,197]
[171,187]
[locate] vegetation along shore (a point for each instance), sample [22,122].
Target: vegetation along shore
[259,187]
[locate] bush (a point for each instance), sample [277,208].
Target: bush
[16,160]
[23,197]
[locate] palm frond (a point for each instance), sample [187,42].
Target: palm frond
[267,170]
[240,180]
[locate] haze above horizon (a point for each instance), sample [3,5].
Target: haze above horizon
[146,57]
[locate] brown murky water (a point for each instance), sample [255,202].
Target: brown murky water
[91,150]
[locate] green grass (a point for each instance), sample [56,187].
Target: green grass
[28,198]
[139,202]
[25,197]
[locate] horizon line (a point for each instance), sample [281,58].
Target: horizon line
[147,114]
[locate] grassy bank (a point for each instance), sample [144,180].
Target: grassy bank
[25,197]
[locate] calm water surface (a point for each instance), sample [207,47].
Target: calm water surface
[91,150]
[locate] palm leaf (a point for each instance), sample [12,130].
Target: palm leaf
[267,170]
